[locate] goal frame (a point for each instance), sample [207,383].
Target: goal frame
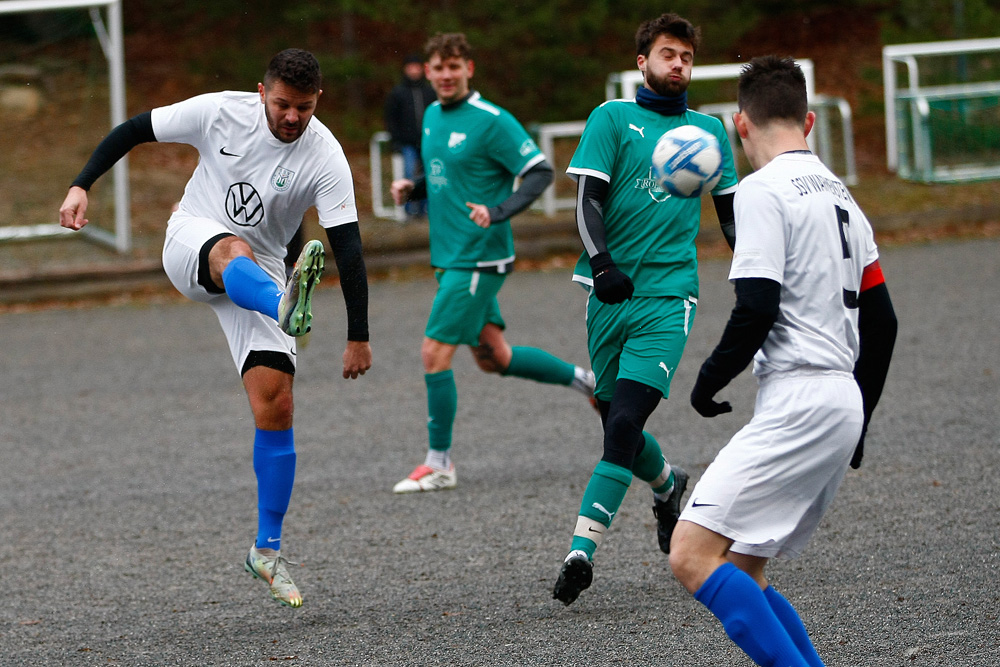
[109,34]
[906,55]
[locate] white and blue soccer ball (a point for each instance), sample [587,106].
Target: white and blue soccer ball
[687,161]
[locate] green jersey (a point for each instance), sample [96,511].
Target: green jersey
[472,150]
[650,234]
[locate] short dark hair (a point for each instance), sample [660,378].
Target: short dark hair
[448,45]
[666,24]
[772,88]
[296,68]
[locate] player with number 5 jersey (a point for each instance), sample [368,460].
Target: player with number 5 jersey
[813,313]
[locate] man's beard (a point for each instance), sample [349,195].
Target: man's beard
[664,87]
[277,128]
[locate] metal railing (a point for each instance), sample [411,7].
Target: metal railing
[841,162]
[379,206]
[906,55]
[915,154]
[624,84]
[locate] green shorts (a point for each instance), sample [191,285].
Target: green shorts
[641,339]
[466,301]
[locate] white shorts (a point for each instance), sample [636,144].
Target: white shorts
[246,330]
[769,487]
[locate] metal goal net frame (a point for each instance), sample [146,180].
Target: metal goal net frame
[915,144]
[109,34]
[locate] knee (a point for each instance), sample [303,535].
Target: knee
[680,564]
[273,411]
[224,252]
[687,565]
[229,248]
[621,423]
[622,437]
[435,356]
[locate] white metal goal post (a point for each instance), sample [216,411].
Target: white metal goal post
[908,137]
[109,33]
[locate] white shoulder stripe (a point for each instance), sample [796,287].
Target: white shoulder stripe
[477,101]
[531,163]
[576,172]
[620,99]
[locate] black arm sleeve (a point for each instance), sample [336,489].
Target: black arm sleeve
[756,310]
[419,189]
[136,130]
[345,240]
[590,195]
[877,328]
[727,217]
[533,183]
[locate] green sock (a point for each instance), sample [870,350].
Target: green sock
[601,501]
[442,404]
[649,466]
[536,364]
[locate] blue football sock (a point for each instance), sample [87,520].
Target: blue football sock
[274,463]
[736,600]
[250,287]
[792,623]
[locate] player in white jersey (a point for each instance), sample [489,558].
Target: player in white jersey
[264,161]
[813,312]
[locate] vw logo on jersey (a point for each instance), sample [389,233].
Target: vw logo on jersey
[244,205]
[436,176]
[281,179]
[649,184]
[456,142]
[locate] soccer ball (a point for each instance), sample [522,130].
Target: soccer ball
[687,161]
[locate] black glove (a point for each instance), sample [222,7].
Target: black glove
[705,387]
[610,284]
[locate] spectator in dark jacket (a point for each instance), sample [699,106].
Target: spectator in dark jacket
[404,114]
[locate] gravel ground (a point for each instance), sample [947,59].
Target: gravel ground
[128,496]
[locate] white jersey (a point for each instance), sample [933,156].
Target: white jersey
[248,180]
[797,224]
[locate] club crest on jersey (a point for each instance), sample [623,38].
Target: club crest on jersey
[281,179]
[456,141]
[649,184]
[436,176]
[244,205]
[527,148]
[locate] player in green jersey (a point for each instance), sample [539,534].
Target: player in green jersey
[640,264]
[472,150]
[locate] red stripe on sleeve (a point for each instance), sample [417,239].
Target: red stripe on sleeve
[872,276]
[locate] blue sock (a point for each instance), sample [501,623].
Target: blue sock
[274,463]
[789,618]
[736,600]
[250,287]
